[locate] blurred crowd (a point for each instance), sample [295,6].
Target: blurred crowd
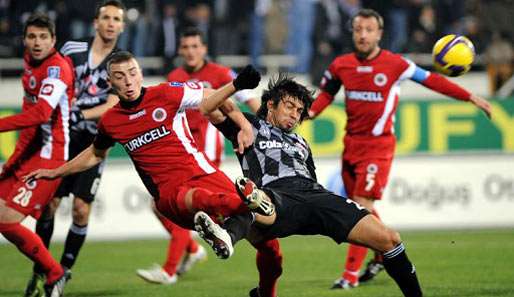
[306,29]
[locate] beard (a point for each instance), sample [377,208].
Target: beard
[362,55]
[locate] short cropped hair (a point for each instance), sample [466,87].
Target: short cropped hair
[115,3]
[39,20]
[279,88]
[192,32]
[369,13]
[118,57]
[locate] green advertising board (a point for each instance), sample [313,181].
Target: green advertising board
[430,127]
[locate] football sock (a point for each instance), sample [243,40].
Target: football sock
[74,241]
[218,204]
[178,243]
[45,230]
[238,226]
[32,246]
[354,258]
[269,264]
[398,266]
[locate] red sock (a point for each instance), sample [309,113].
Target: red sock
[178,243]
[269,264]
[218,204]
[354,258]
[31,246]
[192,246]
[166,223]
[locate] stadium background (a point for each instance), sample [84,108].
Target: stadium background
[454,168]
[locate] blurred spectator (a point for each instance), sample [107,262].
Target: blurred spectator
[300,25]
[169,33]
[499,58]
[231,19]
[257,29]
[83,12]
[423,31]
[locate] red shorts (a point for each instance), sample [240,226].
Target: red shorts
[366,178]
[175,210]
[29,198]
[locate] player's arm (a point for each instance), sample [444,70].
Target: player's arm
[52,89]
[446,87]
[245,135]
[248,78]
[88,158]
[97,111]
[330,85]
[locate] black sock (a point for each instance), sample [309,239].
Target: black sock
[238,226]
[45,230]
[74,241]
[402,271]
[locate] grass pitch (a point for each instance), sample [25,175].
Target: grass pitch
[449,263]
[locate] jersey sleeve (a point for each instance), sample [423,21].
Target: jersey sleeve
[50,93]
[330,85]
[434,82]
[102,140]
[187,95]
[229,128]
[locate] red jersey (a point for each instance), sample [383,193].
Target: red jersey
[43,121]
[154,132]
[213,76]
[372,88]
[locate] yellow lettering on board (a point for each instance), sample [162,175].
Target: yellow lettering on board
[441,128]
[7,139]
[409,129]
[505,123]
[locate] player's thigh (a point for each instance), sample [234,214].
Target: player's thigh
[30,198]
[215,182]
[371,177]
[371,232]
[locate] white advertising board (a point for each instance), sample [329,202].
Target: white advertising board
[423,192]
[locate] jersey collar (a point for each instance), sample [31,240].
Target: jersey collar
[134,103]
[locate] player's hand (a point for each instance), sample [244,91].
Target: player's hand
[481,103]
[244,138]
[248,78]
[41,174]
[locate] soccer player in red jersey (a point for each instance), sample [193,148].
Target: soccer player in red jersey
[152,126]
[371,77]
[43,143]
[196,68]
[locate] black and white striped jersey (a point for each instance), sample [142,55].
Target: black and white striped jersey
[91,86]
[275,154]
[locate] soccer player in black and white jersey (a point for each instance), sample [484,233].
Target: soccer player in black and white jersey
[279,166]
[92,98]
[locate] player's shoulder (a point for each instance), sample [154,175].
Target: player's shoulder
[217,67]
[56,66]
[72,47]
[391,57]
[177,74]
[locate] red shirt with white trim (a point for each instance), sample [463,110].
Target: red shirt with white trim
[43,121]
[154,132]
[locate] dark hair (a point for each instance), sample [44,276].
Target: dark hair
[192,32]
[41,21]
[115,3]
[369,13]
[282,86]
[118,57]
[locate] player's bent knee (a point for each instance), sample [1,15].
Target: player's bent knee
[80,212]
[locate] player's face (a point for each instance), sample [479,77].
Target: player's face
[126,79]
[287,114]
[39,42]
[193,51]
[366,35]
[109,23]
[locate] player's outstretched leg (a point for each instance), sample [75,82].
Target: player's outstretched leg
[256,199]
[370,232]
[217,237]
[35,286]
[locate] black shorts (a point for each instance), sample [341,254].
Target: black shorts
[306,208]
[83,184]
